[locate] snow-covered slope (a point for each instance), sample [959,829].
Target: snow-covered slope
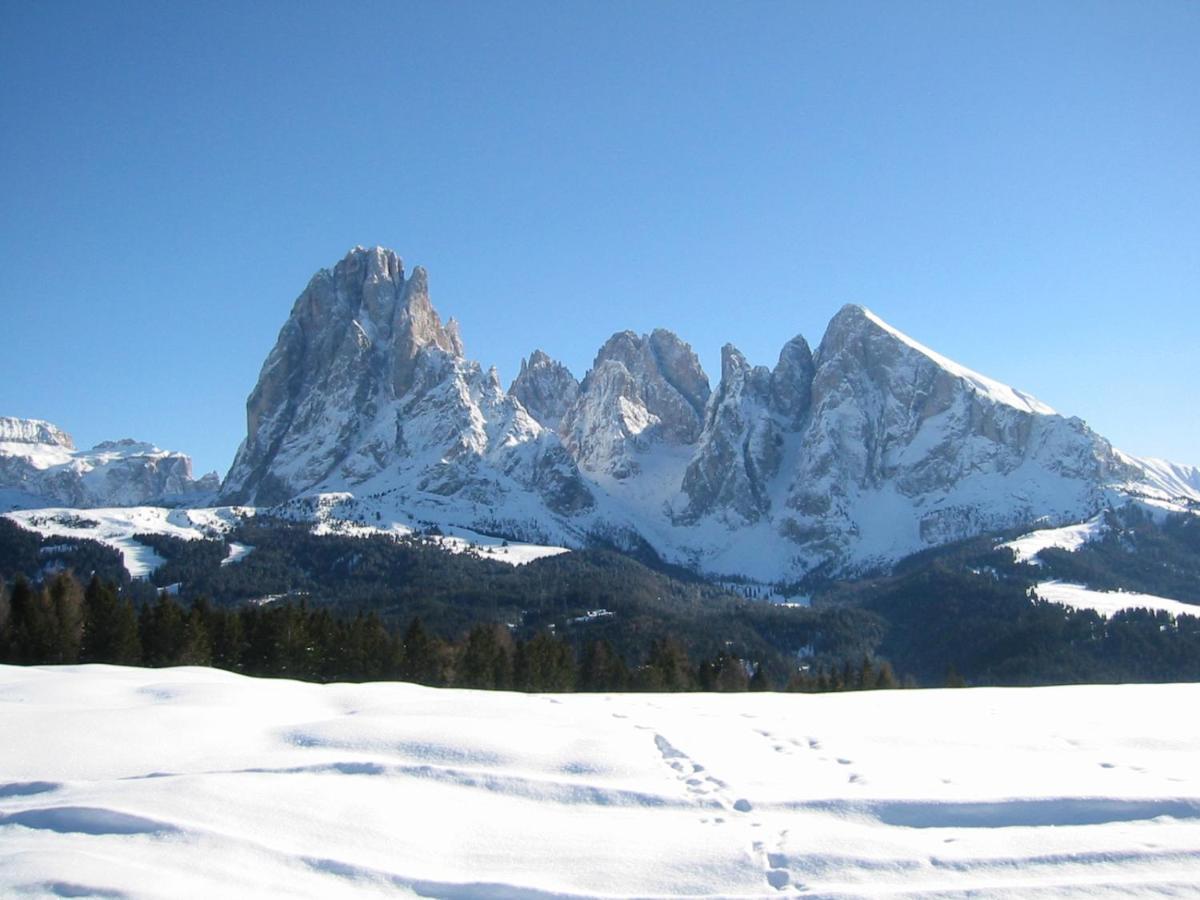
[1108,602]
[194,783]
[115,528]
[1164,484]
[1069,537]
[869,449]
[39,466]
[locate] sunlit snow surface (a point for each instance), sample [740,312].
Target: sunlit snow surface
[1070,537]
[117,526]
[196,783]
[1108,602]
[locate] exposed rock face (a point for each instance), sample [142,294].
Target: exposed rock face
[641,390]
[948,452]
[746,427]
[870,449]
[349,348]
[746,424]
[39,466]
[791,383]
[367,389]
[545,388]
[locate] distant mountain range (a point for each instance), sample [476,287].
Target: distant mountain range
[40,467]
[863,451]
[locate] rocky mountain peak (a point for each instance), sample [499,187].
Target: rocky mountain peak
[868,449]
[351,347]
[545,388]
[738,450]
[33,431]
[366,387]
[642,389]
[791,382]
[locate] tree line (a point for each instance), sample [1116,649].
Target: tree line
[64,622]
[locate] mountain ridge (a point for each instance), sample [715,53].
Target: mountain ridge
[862,451]
[41,466]
[868,448]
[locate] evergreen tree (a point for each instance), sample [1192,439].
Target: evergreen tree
[845,681]
[373,645]
[162,630]
[866,675]
[66,602]
[602,669]
[885,678]
[110,627]
[725,673]
[419,661]
[5,609]
[228,639]
[196,648]
[544,663]
[487,659]
[667,668]
[760,681]
[825,682]
[32,630]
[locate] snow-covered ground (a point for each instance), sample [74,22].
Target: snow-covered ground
[116,526]
[188,783]
[1070,537]
[1108,602]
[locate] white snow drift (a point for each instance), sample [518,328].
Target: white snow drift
[189,783]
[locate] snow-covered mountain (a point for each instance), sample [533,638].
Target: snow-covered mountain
[366,390]
[868,449]
[39,467]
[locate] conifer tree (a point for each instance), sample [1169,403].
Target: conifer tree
[196,647]
[602,669]
[162,631]
[487,659]
[667,668]
[419,662]
[885,678]
[730,674]
[65,596]
[866,675]
[544,663]
[32,632]
[5,609]
[110,627]
[228,639]
[760,681]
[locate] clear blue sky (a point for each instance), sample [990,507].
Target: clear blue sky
[1014,184]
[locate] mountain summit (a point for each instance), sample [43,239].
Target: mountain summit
[865,450]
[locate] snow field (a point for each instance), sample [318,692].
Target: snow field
[1108,602]
[116,526]
[198,783]
[1070,537]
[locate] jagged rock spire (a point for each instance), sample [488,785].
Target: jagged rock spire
[546,388]
[640,390]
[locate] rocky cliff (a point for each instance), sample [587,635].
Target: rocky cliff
[870,448]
